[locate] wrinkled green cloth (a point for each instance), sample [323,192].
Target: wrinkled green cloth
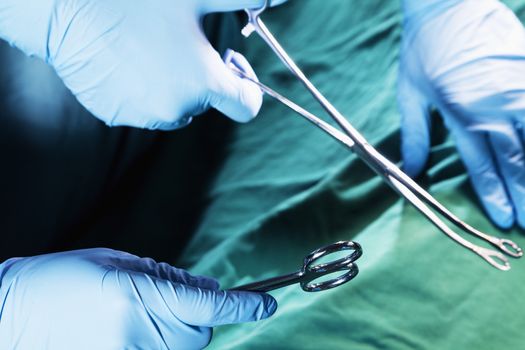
[286,188]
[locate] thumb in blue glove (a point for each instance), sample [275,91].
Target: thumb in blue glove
[139,63]
[105,299]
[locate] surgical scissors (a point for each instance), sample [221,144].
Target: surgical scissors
[313,269]
[390,173]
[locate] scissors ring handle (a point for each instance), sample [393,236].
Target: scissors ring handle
[309,286]
[313,270]
[316,255]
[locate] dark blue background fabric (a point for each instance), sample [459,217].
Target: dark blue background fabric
[69,182]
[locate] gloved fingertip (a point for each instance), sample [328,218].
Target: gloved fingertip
[414,159]
[502,217]
[490,191]
[411,168]
[234,59]
[415,144]
[519,210]
[521,223]
[270,306]
[239,99]
[503,222]
[213,284]
[277,2]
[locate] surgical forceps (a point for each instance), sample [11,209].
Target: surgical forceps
[390,173]
[313,269]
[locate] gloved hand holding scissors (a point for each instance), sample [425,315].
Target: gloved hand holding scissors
[136,63]
[467,59]
[104,299]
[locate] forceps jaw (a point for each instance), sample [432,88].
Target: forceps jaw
[493,257]
[509,247]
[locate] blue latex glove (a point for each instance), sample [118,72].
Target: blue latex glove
[139,63]
[104,299]
[467,59]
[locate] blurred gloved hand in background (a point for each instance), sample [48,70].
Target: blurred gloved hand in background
[467,59]
[139,63]
[105,299]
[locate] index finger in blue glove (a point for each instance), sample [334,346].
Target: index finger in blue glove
[129,262]
[214,308]
[508,151]
[191,305]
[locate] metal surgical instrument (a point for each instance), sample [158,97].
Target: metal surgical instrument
[390,173]
[313,269]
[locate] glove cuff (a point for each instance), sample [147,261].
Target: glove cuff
[25,24]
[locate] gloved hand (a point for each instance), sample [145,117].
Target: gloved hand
[137,63]
[467,59]
[104,299]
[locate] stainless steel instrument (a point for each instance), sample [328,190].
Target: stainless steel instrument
[390,173]
[314,269]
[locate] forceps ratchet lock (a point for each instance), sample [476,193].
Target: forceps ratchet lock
[390,173]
